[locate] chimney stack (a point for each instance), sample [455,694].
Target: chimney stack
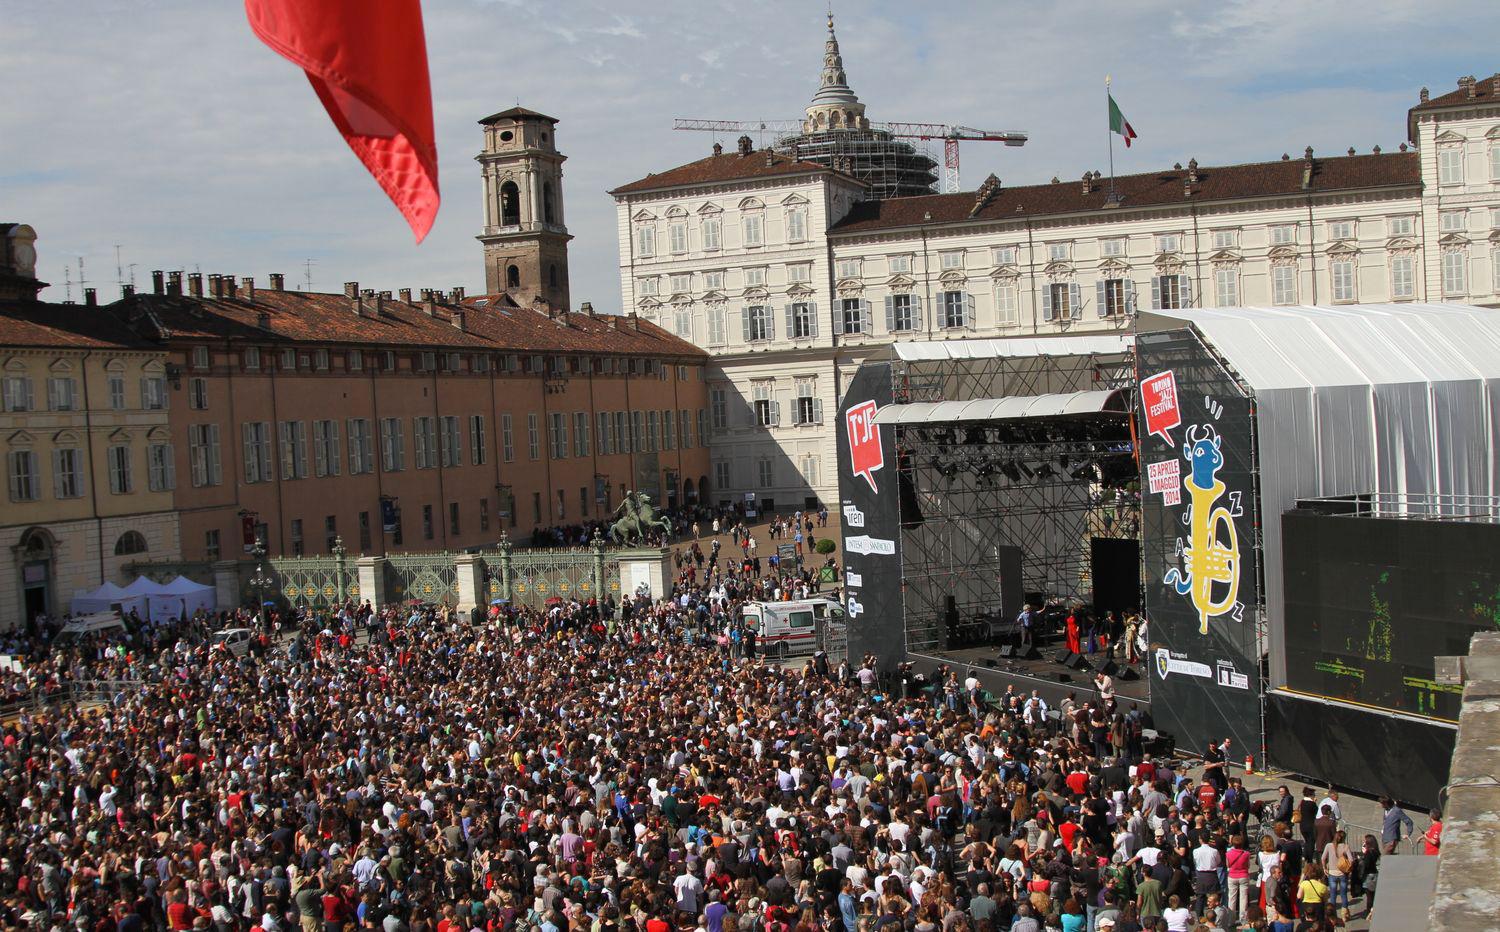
[1307,168]
[770,158]
[174,283]
[277,282]
[195,285]
[263,320]
[158,282]
[1377,150]
[351,289]
[405,295]
[90,297]
[1423,96]
[587,307]
[249,284]
[458,294]
[718,149]
[1469,85]
[1088,182]
[457,320]
[127,291]
[227,283]
[425,294]
[214,290]
[746,145]
[1193,170]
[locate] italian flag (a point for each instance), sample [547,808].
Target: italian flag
[1118,123]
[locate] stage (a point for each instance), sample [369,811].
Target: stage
[1042,675]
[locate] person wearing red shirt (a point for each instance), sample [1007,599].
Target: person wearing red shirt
[180,915]
[335,911]
[658,924]
[1432,839]
[1078,782]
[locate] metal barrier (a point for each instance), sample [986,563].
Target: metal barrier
[71,693]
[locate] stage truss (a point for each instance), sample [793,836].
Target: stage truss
[1046,485]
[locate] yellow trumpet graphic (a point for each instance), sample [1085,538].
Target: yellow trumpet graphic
[1212,553]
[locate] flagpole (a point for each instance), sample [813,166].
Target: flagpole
[1109,131]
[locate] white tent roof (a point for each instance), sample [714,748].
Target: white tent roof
[1351,344]
[182,586]
[1015,347]
[1001,409]
[143,586]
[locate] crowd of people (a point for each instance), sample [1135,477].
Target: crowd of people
[582,769]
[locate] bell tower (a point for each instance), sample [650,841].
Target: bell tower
[525,238]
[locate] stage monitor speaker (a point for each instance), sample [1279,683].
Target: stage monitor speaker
[1030,653]
[1129,674]
[1110,668]
[1074,661]
[1064,678]
[1007,651]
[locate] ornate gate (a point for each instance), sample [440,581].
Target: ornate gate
[425,577]
[311,582]
[531,577]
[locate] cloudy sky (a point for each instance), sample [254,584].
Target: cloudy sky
[165,127]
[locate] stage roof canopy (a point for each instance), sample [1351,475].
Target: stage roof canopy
[1016,347]
[1351,344]
[1005,409]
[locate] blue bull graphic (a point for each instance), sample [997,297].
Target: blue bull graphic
[1211,556]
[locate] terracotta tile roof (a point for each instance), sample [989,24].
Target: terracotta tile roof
[516,113]
[730,166]
[1486,90]
[1230,182]
[491,322]
[70,326]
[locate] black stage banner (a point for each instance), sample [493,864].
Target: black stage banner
[869,499]
[1198,544]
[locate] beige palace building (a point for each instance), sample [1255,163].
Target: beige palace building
[88,451]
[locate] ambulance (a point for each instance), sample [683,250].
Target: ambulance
[786,628]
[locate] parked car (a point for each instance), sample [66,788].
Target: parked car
[235,640]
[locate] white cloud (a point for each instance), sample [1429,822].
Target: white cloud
[168,128]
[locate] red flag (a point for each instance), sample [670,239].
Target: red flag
[368,64]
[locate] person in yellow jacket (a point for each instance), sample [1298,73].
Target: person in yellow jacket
[1312,893]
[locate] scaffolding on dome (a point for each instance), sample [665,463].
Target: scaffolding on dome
[889,166]
[1006,459]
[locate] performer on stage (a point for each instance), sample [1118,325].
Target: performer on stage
[1074,646]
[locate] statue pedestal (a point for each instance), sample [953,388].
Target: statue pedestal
[651,566]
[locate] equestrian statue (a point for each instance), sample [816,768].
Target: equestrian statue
[637,520]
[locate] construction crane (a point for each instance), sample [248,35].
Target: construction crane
[950,135]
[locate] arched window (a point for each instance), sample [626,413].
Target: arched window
[130,542]
[512,277]
[510,204]
[552,275]
[547,202]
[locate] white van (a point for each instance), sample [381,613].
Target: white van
[106,623]
[785,628]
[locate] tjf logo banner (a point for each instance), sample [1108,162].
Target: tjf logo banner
[865,454]
[1159,393]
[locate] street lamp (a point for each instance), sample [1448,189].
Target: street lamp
[338,554]
[260,581]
